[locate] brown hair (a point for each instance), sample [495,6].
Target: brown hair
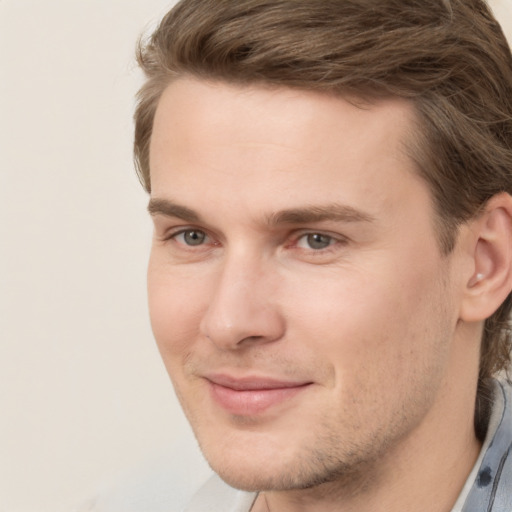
[449,57]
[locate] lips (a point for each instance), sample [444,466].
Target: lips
[250,396]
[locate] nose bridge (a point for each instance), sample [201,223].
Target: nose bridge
[242,305]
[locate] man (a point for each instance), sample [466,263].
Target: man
[330,276]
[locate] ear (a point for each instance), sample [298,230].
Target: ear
[491,251]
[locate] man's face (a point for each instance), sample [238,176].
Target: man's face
[297,291]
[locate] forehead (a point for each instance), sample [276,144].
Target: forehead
[203,106]
[246,143]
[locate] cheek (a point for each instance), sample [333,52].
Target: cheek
[377,319]
[175,307]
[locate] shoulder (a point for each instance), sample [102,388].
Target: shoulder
[492,487]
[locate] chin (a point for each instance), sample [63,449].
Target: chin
[247,477]
[286,477]
[269,466]
[239,468]
[248,465]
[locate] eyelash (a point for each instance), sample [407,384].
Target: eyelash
[333,240]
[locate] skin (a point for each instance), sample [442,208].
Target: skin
[294,241]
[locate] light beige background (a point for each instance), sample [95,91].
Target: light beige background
[83,395]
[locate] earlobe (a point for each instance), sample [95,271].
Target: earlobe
[491,281]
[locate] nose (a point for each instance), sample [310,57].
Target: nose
[243,308]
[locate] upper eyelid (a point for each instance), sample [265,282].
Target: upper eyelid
[168,223]
[172,233]
[335,236]
[294,235]
[172,230]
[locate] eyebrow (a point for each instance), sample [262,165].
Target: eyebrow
[170,209]
[309,214]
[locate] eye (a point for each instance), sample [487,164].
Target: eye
[191,237]
[316,241]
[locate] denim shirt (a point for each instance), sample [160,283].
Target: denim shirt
[489,487]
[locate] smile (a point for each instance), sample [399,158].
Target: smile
[251,396]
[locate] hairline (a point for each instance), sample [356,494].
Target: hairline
[413,144]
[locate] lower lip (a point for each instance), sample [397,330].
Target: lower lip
[253,401]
